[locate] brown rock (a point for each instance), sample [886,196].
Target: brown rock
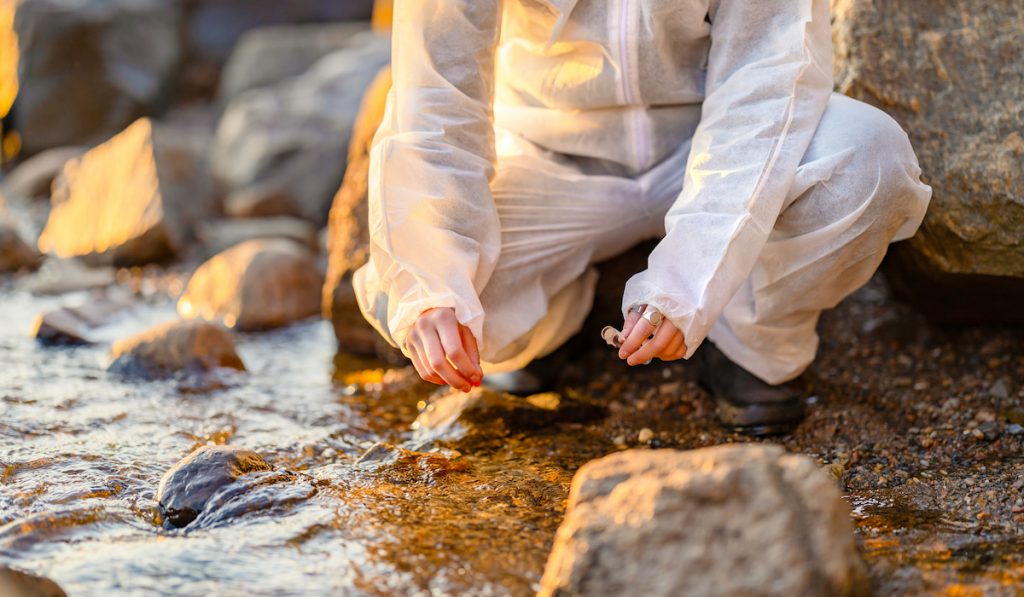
[188,487]
[348,236]
[950,73]
[15,583]
[220,235]
[133,200]
[124,53]
[728,520]
[287,142]
[177,346]
[34,177]
[255,285]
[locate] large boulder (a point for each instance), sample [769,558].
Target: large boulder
[728,520]
[133,200]
[177,347]
[348,235]
[281,150]
[255,285]
[87,68]
[950,72]
[264,57]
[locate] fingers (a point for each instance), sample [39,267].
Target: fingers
[675,350]
[640,332]
[454,349]
[631,318]
[469,342]
[436,360]
[655,346]
[417,362]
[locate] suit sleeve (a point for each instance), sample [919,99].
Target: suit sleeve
[768,81]
[434,230]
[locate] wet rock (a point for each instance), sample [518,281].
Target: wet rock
[133,200]
[220,235]
[728,520]
[954,85]
[8,58]
[175,347]
[348,235]
[267,56]
[34,177]
[258,284]
[188,487]
[287,143]
[456,415]
[15,583]
[74,325]
[124,52]
[60,276]
[14,253]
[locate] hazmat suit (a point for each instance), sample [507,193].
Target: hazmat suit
[525,140]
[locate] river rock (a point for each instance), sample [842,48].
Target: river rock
[60,276]
[14,253]
[124,54]
[286,144]
[348,235]
[34,177]
[188,487]
[8,58]
[950,73]
[728,520]
[133,200]
[484,413]
[256,285]
[15,583]
[175,347]
[267,56]
[220,235]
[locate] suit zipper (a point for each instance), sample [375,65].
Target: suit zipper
[628,29]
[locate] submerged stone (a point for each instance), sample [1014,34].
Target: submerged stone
[188,487]
[175,347]
[15,583]
[728,520]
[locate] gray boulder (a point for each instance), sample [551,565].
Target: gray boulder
[264,57]
[950,73]
[222,234]
[728,520]
[258,284]
[132,200]
[124,54]
[286,145]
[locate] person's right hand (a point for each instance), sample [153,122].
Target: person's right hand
[444,351]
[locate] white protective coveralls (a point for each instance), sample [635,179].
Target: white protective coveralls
[525,140]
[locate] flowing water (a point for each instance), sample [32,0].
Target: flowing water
[82,453]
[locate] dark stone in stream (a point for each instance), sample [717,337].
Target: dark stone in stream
[456,415]
[73,325]
[15,583]
[209,474]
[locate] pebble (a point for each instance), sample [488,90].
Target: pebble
[645,435]
[1014,429]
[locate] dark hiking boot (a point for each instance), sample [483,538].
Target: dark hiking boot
[746,404]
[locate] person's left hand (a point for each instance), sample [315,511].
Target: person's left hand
[640,346]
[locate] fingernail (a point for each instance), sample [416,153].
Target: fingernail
[622,354]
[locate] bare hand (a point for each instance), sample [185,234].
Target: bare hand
[444,351]
[640,346]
